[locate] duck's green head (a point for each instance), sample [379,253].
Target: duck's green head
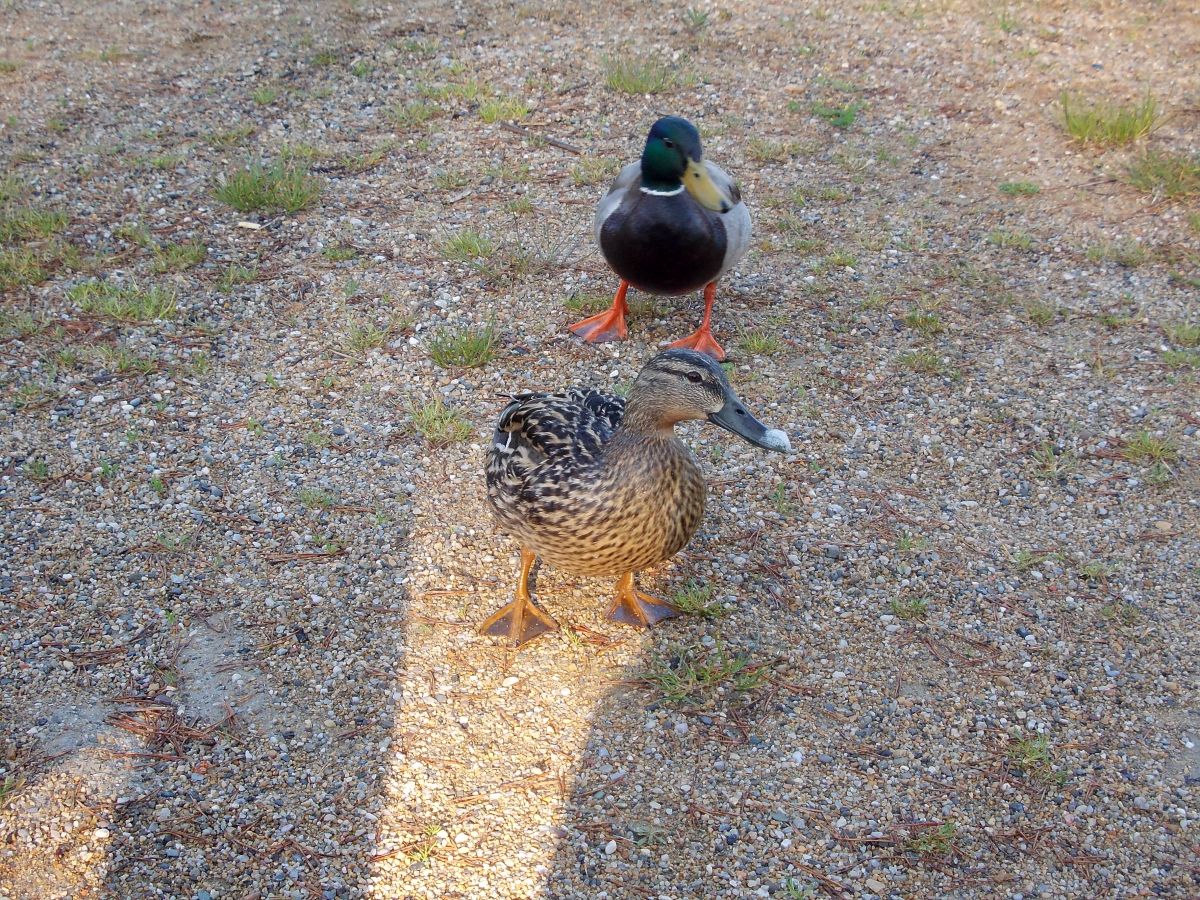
[673,156]
[678,385]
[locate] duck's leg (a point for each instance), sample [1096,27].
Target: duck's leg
[608,325]
[520,621]
[702,338]
[633,607]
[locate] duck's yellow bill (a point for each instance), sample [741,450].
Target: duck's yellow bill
[701,186]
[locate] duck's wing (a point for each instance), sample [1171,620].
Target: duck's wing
[627,179]
[536,429]
[736,220]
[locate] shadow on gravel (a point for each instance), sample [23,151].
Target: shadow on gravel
[208,714]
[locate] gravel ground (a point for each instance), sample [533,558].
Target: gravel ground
[948,646]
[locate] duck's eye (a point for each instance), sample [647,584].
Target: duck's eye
[668,143]
[694,377]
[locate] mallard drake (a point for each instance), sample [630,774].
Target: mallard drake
[669,224]
[596,484]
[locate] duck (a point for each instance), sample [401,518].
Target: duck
[601,485]
[670,224]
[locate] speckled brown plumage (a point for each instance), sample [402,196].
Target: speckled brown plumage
[598,485]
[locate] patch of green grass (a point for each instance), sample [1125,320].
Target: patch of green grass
[1107,124]
[910,543]
[1127,253]
[909,608]
[1096,570]
[37,470]
[588,304]
[503,109]
[1115,320]
[178,257]
[521,206]
[418,47]
[107,469]
[361,339]
[315,498]
[838,116]
[230,137]
[134,233]
[265,95]
[276,187]
[927,362]
[124,302]
[324,58]
[1051,463]
[10,788]
[695,19]
[1034,757]
[933,841]
[762,150]
[18,323]
[467,246]
[7,66]
[927,323]
[1010,240]
[19,266]
[30,224]
[1121,612]
[413,114]
[695,599]
[357,163]
[1007,22]
[794,890]
[1145,447]
[1041,313]
[760,342]
[122,360]
[630,74]
[166,161]
[1170,176]
[1178,360]
[471,90]
[839,259]
[1183,334]
[158,485]
[1019,188]
[694,676]
[235,275]
[441,425]
[361,68]
[463,347]
[451,180]
[339,253]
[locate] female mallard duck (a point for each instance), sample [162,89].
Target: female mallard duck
[669,224]
[600,485]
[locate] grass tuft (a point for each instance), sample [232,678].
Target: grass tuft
[1183,334]
[760,342]
[1019,188]
[1107,124]
[503,109]
[640,75]
[1173,177]
[468,246]
[910,608]
[412,115]
[463,347]
[838,116]
[177,257]
[439,424]
[277,187]
[694,676]
[1145,447]
[695,599]
[124,302]
[1010,240]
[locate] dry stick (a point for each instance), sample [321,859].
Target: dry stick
[553,142]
